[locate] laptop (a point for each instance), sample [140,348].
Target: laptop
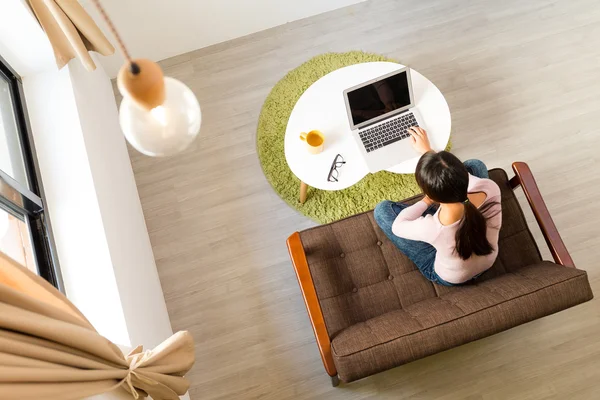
[380,111]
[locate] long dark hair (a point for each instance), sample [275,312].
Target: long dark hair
[444,178]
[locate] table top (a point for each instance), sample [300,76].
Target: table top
[322,108]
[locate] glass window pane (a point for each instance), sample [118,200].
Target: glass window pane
[15,240]
[11,156]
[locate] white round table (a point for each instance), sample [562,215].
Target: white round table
[322,107]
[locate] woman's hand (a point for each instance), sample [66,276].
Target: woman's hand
[419,139]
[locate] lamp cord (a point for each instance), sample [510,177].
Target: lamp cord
[113,30]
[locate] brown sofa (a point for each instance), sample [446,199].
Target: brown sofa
[372,310]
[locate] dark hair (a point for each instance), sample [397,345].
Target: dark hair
[445,179]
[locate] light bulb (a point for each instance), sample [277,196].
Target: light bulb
[166,129]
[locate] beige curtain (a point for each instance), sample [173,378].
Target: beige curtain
[49,350]
[71,31]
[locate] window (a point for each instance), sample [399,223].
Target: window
[24,228]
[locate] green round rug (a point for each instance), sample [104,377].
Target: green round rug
[321,205]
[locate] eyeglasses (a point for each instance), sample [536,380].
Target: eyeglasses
[333,171]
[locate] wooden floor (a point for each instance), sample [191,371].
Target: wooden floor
[522,79]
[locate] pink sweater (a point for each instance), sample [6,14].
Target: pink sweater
[410,224]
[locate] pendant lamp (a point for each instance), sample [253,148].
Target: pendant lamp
[159,116]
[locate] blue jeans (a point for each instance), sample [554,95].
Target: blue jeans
[420,253]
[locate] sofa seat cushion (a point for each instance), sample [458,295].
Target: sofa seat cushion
[457,316]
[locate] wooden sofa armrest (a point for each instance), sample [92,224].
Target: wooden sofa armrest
[524,178]
[311,300]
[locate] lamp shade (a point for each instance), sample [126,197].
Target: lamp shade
[159,116]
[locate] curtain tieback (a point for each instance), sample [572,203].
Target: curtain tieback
[135,358]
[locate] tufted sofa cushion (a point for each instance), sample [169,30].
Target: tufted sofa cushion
[457,317]
[381,312]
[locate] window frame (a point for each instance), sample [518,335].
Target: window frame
[29,201]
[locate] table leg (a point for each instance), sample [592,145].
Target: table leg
[303,190]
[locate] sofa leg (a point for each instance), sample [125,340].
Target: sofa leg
[335,381]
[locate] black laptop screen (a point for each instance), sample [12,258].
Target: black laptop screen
[379,98]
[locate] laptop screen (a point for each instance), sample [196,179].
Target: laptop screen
[379,98]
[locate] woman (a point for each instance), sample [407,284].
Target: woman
[457,241]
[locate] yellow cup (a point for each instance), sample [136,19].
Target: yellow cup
[314,141]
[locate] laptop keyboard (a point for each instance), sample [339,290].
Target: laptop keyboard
[388,132]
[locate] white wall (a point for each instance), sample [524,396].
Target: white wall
[23,43]
[124,225]
[159,29]
[72,202]
[102,243]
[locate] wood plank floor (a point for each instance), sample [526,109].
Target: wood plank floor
[522,79]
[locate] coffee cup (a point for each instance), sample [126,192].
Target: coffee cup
[314,141]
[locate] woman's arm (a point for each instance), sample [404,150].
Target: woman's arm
[410,223]
[413,212]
